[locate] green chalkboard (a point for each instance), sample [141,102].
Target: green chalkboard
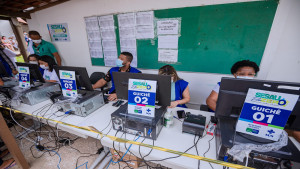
[212,37]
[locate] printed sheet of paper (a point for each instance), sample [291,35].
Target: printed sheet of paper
[106,22]
[109,44]
[91,23]
[144,32]
[167,27]
[168,55]
[126,20]
[144,18]
[144,25]
[108,35]
[94,35]
[128,43]
[110,62]
[113,54]
[168,42]
[127,32]
[96,53]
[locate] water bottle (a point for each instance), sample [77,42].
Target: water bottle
[168,118]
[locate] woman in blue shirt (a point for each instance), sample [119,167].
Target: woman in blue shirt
[180,94]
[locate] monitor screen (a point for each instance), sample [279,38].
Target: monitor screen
[82,78]
[35,73]
[233,92]
[163,92]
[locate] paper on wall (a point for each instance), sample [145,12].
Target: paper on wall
[110,54]
[110,62]
[106,22]
[91,23]
[109,44]
[128,32]
[144,32]
[126,20]
[168,42]
[167,55]
[167,27]
[108,34]
[94,35]
[95,45]
[128,43]
[144,18]
[96,53]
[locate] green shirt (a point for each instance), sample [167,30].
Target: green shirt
[44,48]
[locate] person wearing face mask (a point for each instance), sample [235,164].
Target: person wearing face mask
[34,59]
[180,94]
[243,69]
[123,65]
[47,63]
[42,47]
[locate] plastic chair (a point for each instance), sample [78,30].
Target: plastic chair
[97,76]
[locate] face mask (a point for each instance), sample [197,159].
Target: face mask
[37,41]
[244,77]
[33,62]
[44,67]
[119,63]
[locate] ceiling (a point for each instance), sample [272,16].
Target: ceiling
[23,8]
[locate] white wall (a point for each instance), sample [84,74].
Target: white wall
[76,52]
[5,29]
[282,54]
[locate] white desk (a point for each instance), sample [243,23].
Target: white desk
[171,138]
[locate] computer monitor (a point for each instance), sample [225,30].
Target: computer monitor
[3,72]
[35,73]
[163,92]
[233,92]
[82,78]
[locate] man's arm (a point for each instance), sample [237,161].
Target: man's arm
[99,83]
[57,57]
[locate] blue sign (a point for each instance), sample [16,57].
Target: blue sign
[265,113]
[24,77]
[141,97]
[68,83]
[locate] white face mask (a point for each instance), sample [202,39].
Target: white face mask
[44,67]
[244,77]
[33,62]
[37,41]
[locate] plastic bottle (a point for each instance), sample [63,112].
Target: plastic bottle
[168,118]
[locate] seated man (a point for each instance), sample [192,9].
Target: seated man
[242,69]
[123,65]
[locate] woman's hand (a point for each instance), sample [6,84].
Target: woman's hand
[173,104]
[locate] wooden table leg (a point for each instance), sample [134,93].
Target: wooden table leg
[11,144]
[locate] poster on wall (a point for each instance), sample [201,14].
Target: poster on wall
[59,32]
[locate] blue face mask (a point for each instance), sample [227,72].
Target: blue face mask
[119,63]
